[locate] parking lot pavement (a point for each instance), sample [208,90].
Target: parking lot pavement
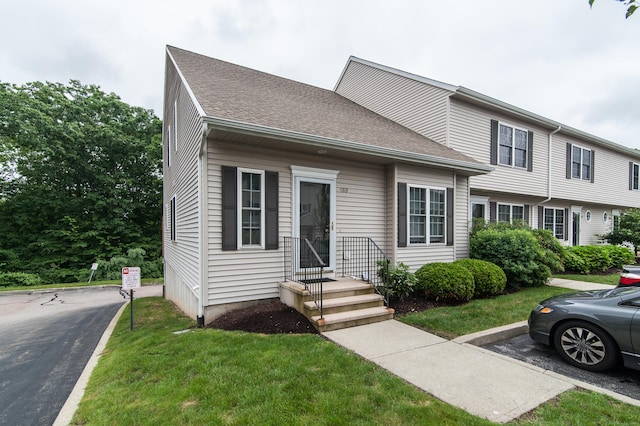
[620,380]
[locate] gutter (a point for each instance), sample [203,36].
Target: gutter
[549,197]
[202,219]
[344,145]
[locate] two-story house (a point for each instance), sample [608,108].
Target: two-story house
[268,180]
[548,174]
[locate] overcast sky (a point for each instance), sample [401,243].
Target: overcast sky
[559,59]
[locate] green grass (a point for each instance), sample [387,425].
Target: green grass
[151,376]
[600,279]
[144,281]
[206,376]
[481,314]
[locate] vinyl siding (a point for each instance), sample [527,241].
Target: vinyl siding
[416,105]
[461,217]
[470,133]
[417,255]
[611,178]
[250,274]
[181,180]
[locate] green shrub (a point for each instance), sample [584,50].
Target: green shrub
[620,256]
[112,269]
[18,279]
[553,250]
[488,278]
[589,259]
[55,274]
[446,282]
[516,251]
[400,282]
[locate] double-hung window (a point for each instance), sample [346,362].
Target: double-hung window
[634,176]
[513,146]
[251,184]
[427,215]
[554,221]
[172,219]
[580,162]
[509,213]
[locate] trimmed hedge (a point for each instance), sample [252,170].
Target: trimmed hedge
[488,278]
[588,259]
[446,282]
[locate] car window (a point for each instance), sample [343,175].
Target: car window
[634,302]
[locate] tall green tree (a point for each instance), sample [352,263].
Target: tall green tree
[80,177]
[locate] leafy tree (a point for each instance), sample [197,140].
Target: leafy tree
[80,176]
[627,231]
[631,6]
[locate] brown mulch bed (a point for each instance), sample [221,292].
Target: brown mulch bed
[278,318]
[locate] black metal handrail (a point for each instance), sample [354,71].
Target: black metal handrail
[364,259]
[303,265]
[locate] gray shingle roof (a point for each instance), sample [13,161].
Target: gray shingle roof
[232,92]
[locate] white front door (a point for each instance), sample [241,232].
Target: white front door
[314,213]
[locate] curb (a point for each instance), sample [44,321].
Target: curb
[57,290]
[494,335]
[71,404]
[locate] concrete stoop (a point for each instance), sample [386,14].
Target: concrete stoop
[346,303]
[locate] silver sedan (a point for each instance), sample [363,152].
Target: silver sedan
[593,330]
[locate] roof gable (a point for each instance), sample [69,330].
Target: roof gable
[243,95]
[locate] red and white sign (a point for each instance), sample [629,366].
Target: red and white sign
[130,278]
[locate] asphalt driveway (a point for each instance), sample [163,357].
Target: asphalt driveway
[46,340]
[620,380]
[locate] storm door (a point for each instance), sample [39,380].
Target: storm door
[315,220]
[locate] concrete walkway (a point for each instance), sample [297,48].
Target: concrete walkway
[479,381]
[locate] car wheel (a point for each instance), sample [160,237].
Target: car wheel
[586,346]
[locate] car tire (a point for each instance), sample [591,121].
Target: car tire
[586,346]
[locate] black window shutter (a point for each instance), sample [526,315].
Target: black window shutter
[402,214]
[494,142]
[593,165]
[229,208]
[526,214]
[568,161]
[540,217]
[530,151]
[450,227]
[630,175]
[493,211]
[271,214]
[566,224]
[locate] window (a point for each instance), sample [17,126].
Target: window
[634,174]
[251,201]
[513,146]
[510,213]
[168,147]
[605,217]
[554,221]
[587,215]
[580,162]
[426,225]
[173,219]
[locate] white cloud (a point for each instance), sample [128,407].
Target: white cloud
[557,59]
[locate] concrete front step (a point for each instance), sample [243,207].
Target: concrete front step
[351,318]
[344,304]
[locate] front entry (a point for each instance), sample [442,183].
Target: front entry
[314,209]
[576,229]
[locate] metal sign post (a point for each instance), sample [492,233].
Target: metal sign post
[131,280]
[94,266]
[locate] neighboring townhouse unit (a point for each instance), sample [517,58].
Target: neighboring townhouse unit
[265,176]
[550,175]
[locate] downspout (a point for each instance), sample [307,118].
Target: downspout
[202,218]
[549,197]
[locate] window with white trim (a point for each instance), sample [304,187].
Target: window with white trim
[513,145]
[635,176]
[168,152]
[427,215]
[251,208]
[554,220]
[580,163]
[510,212]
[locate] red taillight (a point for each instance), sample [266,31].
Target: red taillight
[629,279]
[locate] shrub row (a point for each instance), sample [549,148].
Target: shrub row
[452,282]
[589,259]
[18,279]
